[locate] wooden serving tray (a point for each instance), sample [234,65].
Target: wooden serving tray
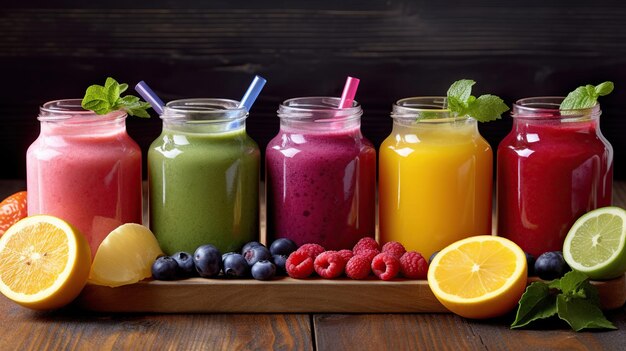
[285,295]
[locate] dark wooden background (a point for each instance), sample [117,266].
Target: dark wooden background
[398,49]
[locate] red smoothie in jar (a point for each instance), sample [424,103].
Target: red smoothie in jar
[321,177]
[553,167]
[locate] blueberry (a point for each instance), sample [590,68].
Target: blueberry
[235,266]
[263,270]
[551,265]
[530,262]
[208,261]
[283,246]
[249,245]
[255,254]
[432,257]
[280,261]
[165,268]
[227,254]
[186,268]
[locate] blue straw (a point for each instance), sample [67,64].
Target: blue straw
[144,90]
[252,93]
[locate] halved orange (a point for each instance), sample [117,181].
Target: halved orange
[479,277]
[44,262]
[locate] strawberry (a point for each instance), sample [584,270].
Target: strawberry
[12,209]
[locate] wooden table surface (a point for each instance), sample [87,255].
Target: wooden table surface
[70,329]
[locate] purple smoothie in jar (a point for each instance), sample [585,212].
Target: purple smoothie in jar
[320,175]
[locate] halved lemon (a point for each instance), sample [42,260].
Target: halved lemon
[479,277]
[596,243]
[44,262]
[125,256]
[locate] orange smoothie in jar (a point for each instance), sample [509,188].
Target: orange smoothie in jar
[435,177]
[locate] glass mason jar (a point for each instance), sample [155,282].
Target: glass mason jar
[85,169]
[553,167]
[203,172]
[435,177]
[320,175]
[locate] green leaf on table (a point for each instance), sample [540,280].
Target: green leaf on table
[581,314]
[586,96]
[536,303]
[572,297]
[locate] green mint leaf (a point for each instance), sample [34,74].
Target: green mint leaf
[576,285]
[127,100]
[137,108]
[581,314]
[461,89]
[104,99]
[536,303]
[110,81]
[96,100]
[113,92]
[456,105]
[572,282]
[487,108]
[605,88]
[586,96]
[484,108]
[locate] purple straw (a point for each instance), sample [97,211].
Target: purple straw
[148,94]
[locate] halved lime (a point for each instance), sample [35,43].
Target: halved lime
[596,243]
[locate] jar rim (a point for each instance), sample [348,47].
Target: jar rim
[204,110]
[547,107]
[428,109]
[318,109]
[64,109]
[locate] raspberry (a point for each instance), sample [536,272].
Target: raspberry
[368,253]
[299,265]
[394,248]
[365,243]
[413,265]
[386,266]
[358,267]
[329,264]
[312,249]
[346,254]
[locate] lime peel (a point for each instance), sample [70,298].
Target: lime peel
[596,243]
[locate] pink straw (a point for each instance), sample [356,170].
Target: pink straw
[349,91]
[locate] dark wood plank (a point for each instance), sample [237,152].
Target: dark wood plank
[395,332]
[73,330]
[450,332]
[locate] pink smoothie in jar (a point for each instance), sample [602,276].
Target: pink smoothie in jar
[320,175]
[85,169]
[553,167]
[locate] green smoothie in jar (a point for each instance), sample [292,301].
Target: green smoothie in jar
[204,177]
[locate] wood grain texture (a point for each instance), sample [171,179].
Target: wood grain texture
[451,332]
[395,332]
[69,329]
[283,295]
[398,48]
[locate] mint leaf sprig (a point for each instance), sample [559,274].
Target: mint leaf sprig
[104,99]
[572,298]
[586,96]
[461,102]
